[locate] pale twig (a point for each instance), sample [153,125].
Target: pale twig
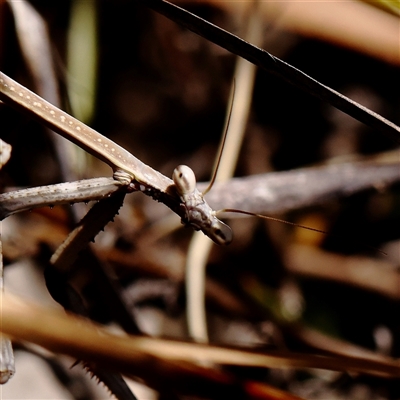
[279,192]
[200,247]
[52,195]
[269,193]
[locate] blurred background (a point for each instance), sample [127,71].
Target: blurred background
[162,93]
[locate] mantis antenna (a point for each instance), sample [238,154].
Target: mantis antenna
[222,145]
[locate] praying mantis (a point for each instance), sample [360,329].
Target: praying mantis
[179,193]
[128,170]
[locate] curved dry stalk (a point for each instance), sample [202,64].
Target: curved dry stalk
[200,247]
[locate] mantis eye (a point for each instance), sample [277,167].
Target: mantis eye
[220,233]
[184,179]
